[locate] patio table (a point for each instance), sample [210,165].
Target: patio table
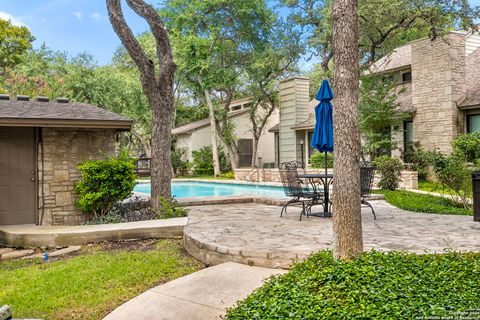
[326,180]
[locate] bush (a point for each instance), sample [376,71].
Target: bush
[103,183]
[416,202]
[203,164]
[376,285]
[420,160]
[389,169]
[452,173]
[170,208]
[179,165]
[228,175]
[467,146]
[317,160]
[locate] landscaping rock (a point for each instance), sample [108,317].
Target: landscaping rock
[5,250]
[16,254]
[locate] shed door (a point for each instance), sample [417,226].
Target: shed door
[17,175]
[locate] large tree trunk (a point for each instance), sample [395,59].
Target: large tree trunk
[214,134]
[347,222]
[254,151]
[158,89]
[233,156]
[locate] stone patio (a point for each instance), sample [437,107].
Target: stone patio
[254,234]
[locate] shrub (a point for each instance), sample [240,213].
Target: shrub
[170,208]
[228,175]
[103,183]
[317,160]
[376,285]
[467,146]
[389,169]
[203,164]
[420,160]
[452,173]
[179,165]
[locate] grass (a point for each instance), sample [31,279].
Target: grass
[90,285]
[434,187]
[374,286]
[417,202]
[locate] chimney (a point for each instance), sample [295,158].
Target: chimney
[62,100]
[294,100]
[42,99]
[4,97]
[23,98]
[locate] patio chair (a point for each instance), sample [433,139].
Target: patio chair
[296,189]
[367,172]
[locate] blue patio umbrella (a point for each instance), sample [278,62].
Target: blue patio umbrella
[322,138]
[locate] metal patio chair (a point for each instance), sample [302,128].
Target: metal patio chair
[367,172]
[295,188]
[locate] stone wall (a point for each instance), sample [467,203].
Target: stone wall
[409,179]
[63,150]
[438,81]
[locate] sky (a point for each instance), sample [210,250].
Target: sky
[75,26]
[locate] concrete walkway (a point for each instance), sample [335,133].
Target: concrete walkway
[202,295]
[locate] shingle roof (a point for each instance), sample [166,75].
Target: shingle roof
[400,57]
[54,113]
[188,128]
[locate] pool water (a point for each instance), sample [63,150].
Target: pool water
[208,189]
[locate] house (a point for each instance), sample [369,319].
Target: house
[197,135]
[440,82]
[41,143]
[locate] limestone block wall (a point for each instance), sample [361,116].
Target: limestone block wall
[63,150]
[438,81]
[409,179]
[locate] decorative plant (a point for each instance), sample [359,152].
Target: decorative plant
[317,160]
[170,208]
[467,146]
[202,161]
[389,169]
[103,183]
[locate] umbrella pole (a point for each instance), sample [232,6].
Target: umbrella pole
[325,162]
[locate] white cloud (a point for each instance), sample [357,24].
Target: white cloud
[12,19]
[78,14]
[96,16]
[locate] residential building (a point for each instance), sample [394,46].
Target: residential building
[197,135]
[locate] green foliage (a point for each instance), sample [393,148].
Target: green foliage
[202,161]
[412,201]
[379,112]
[374,286]
[91,284]
[389,169]
[227,175]
[170,208]
[14,42]
[420,160]
[317,160]
[103,183]
[467,146]
[179,165]
[452,172]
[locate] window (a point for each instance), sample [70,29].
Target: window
[473,123]
[407,76]
[407,137]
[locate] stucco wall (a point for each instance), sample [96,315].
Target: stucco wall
[202,137]
[62,150]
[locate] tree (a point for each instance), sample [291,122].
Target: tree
[14,43]
[212,40]
[157,86]
[379,112]
[347,221]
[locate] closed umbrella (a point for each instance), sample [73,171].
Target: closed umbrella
[322,138]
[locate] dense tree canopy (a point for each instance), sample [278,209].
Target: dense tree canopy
[14,42]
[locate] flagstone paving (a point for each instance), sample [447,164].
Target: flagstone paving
[255,234]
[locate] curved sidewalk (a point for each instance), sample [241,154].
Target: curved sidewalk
[203,295]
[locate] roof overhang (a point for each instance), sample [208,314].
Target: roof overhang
[63,123]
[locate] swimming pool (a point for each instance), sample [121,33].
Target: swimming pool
[190,189]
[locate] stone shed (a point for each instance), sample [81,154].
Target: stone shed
[41,143]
